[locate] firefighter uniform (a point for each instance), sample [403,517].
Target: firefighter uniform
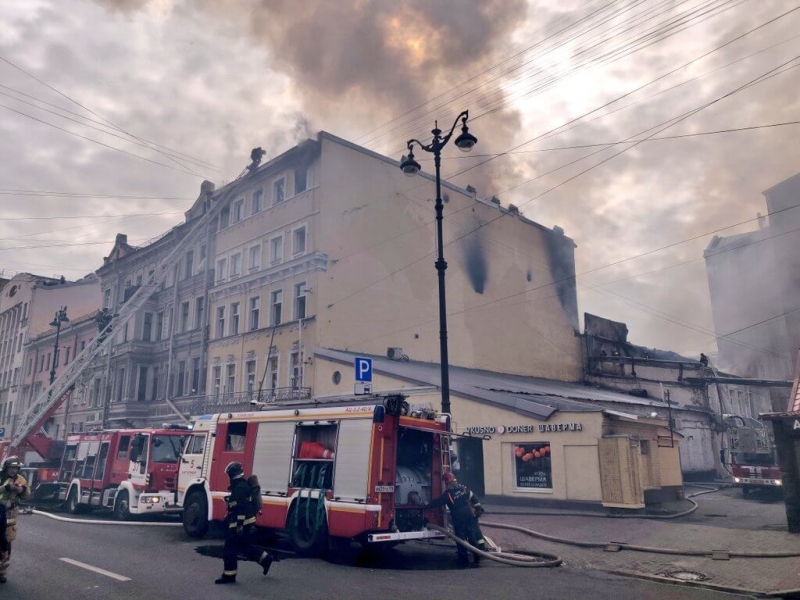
[13,488]
[241,519]
[465,508]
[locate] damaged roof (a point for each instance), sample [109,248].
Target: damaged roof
[531,396]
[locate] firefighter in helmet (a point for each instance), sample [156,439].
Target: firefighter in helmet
[465,509]
[241,519]
[13,488]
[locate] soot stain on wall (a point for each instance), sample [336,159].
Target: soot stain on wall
[476,263]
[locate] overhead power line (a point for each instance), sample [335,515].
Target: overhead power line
[89,110]
[64,194]
[172,212]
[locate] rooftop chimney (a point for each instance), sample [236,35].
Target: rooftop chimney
[122,238]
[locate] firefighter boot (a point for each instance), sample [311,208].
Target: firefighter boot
[3,578]
[266,562]
[225,579]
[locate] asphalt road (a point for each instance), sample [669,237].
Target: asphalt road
[161,562]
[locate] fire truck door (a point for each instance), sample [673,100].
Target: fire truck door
[191,467]
[137,470]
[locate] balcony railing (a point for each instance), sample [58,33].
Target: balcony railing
[229,402]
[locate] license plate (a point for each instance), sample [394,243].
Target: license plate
[384,489]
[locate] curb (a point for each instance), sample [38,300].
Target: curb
[731,589]
[102,522]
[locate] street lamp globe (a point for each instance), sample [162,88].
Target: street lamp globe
[409,166]
[466,141]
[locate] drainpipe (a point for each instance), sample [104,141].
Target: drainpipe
[206,312]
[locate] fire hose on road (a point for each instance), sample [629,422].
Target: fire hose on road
[517,558]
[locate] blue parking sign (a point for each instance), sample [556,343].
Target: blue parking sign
[2,433]
[363,369]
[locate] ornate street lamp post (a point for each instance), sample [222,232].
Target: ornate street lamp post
[465,142]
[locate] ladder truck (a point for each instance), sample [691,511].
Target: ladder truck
[53,396]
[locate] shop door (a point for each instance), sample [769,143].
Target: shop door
[468,463]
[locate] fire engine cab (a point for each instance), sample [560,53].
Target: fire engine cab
[131,471]
[351,471]
[752,455]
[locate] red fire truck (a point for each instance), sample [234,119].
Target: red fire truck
[131,471]
[752,454]
[350,471]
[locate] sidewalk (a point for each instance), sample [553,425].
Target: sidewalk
[754,575]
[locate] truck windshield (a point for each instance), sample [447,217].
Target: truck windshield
[753,459]
[167,448]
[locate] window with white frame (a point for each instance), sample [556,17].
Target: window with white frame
[234,319]
[224,217]
[222,269]
[300,301]
[279,191]
[230,379]
[296,369]
[254,257]
[255,309]
[217,374]
[251,376]
[299,240]
[273,371]
[257,204]
[277,304]
[236,264]
[220,321]
[184,317]
[237,211]
[276,249]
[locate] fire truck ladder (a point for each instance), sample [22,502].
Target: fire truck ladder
[52,396]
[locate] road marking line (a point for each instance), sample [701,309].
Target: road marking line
[95,569]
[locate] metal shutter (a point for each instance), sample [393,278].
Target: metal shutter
[352,459]
[273,455]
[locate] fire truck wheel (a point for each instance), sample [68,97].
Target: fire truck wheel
[195,515]
[308,538]
[122,507]
[72,502]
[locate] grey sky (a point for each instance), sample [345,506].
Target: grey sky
[215,78]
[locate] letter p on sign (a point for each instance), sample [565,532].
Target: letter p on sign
[363,369]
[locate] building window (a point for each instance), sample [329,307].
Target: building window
[234,319]
[66,355]
[222,269]
[279,191]
[230,379]
[277,303]
[300,181]
[254,258]
[141,391]
[147,328]
[299,241]
[217,373]
[255,304]
[220,321]
[107,298]
[199,305]
[276,249]
[532,466]
[181,377]
[184,317]
[237,214]
[30,366]
[296,369]
[202,256]
[300,301]
[154,395]
[273,372]
[83,345]
[251,376]
[258,201]
[124,333]
[195,376]
[19,343]
[96,400]
[224,217]
[121,385]
[48,358]
[159,325]
[188,270]
[236,265]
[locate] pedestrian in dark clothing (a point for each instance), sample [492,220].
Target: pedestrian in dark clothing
[465,508]
[241,519]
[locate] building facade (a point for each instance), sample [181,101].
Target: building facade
[761,330]
[160,354]
[27,305]
[83,410]
[329,244]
